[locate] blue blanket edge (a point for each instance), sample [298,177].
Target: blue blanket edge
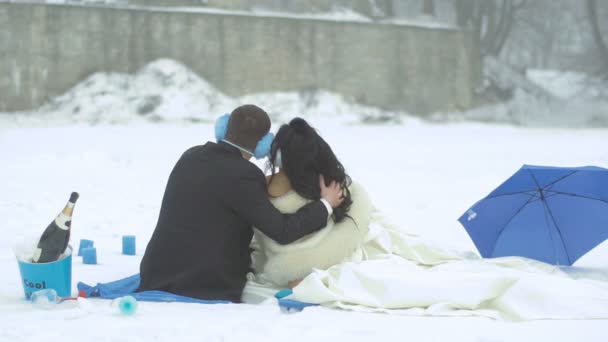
[127,287]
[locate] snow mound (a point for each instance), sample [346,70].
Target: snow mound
[570,84]
[167,91]
[529,111]
[162,90]
[538,98]
[318,104]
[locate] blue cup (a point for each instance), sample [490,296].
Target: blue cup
[84,243]
[128,244]
[89,256]
[56,275]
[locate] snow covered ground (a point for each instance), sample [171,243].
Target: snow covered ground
[422,175]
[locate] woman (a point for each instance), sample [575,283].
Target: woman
[359,262]
[301,155]
[354,232]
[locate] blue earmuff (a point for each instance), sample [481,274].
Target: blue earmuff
[262,149]
[221,127]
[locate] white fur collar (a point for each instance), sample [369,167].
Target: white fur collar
[329,246]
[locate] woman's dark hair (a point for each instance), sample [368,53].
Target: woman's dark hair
[305,156]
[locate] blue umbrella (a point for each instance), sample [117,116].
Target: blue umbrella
[551,214]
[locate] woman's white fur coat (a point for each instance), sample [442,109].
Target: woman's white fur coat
[331,245]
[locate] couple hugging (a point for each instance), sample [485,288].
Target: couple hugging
[226,232]
[215,199]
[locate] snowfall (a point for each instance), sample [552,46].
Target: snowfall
[114,138]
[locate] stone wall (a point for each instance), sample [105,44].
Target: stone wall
[46,49]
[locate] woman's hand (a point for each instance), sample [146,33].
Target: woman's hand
[332,193]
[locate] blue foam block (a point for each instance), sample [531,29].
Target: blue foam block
[89,256]
[128,244]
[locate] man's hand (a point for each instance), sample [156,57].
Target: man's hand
[331,193]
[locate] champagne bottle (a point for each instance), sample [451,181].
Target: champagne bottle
[56,236]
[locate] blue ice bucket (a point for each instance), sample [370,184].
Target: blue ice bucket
[56,275]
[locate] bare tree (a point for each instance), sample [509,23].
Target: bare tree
[490,20]
[598,34]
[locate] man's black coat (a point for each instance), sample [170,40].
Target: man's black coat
[200,247]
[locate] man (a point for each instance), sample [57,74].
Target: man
[214,196]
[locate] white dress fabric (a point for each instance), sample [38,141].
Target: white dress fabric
[365,264]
